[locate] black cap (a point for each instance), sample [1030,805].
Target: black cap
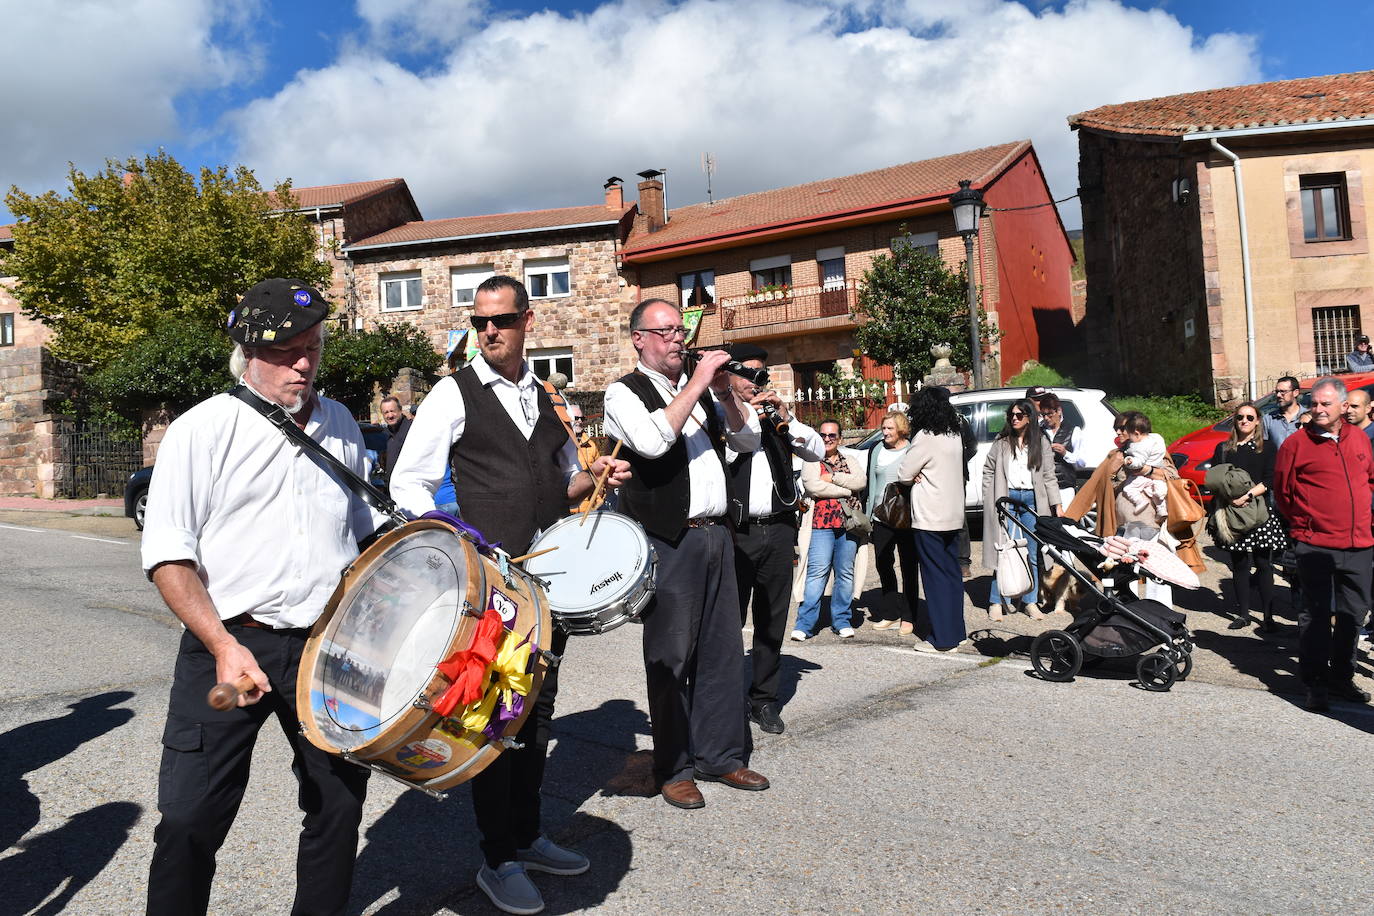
[274,311]
[742,352]
[1363,338]
[1036,391]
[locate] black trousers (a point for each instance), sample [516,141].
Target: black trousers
[506,795]
[887,542]
[205,760]
[763,574]
[1335,583]
[693,656]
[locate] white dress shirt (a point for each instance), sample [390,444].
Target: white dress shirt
[269,529]
[441,421]
[648,433]
[803,442]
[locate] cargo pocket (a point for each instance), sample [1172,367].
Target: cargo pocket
[184,774]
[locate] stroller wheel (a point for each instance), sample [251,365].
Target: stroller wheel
[1184,665]
[1056,655]
[1156,671]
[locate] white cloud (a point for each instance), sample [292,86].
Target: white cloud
[537,111]
[91,79]
[411,24]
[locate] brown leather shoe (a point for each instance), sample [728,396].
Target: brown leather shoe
[743,778]
[683,793]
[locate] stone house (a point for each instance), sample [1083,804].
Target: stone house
[426,272]
[782,268]
[1225,234]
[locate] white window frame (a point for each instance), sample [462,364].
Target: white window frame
[547,268]
[550,356]
[826,255]
[684,291]
[475,274]
[403,277]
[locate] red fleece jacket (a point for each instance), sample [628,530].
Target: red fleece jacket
[1323,487]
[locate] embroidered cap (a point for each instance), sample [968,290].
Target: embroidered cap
[275,311]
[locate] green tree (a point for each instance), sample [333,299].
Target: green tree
[354,360]
[144,240]
[177,363]
[909,301]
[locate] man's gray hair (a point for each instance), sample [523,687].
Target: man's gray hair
[238,359]
[1333,383]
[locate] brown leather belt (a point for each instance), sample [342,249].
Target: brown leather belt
[706,522]
[245,620]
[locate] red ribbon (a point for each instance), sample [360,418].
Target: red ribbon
[467,668]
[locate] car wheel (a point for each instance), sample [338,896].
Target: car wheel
[140,508]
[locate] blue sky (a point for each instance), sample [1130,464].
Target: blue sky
[486,107]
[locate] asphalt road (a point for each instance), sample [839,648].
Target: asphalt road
[905,782]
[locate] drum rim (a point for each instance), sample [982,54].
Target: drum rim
[621,590]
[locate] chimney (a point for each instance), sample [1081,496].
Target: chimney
[615,194]
[651,201]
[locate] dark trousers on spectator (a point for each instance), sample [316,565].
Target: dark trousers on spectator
[938,553]
[506,795]
[1335,583]
[693,657]
[205,760]
[888,542]
[763,574]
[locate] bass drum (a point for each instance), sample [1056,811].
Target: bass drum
[602,574]
[369,675]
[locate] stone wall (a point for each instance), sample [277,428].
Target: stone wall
[33,382]
[27,332]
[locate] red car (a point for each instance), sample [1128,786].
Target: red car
[1192,453]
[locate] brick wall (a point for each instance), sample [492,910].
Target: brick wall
[32,380]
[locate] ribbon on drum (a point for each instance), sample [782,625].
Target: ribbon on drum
[489,680]
[466,669]
[512,679]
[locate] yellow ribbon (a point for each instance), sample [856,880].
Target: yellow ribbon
[507,676]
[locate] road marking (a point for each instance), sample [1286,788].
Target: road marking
[83,537]
[20,528]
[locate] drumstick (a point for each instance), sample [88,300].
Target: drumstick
[222,696]
[598,492]
[531,556]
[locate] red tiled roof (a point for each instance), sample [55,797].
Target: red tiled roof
[7,233]
[326,195]
[432,230]
[1313,100]
[900,186]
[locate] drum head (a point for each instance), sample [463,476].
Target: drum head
[595,565]
[380,647]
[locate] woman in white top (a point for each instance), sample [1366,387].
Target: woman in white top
[1019,465]
[884,460]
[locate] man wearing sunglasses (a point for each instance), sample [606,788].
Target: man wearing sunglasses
[515,472]
[675,425]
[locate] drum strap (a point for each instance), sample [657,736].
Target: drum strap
[560,407]
[282,420]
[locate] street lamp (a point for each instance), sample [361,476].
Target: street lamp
[967,203]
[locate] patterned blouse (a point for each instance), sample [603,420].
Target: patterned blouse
[828,512]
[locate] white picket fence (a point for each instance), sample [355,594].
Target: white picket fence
[898,390]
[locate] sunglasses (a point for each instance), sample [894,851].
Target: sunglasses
[1018,415]
[503,321]
[1246,418]
[830,435]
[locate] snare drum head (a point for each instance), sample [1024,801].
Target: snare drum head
[595,565]
[393,623]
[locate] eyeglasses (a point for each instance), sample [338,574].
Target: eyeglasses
[1048,413]
[503,321]
[666,333]
[1284,390]
[830,435]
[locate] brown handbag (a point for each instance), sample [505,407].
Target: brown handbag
[894,509]
[1183,502]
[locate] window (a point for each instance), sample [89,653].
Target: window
[465,280]
[929,242]
[547,278]
[775,271]
[401,292]
[696,289]
[544,363]
[7,329]
[1325,211]
[1333,333]
[830,266]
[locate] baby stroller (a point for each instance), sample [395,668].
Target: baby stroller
[1118,624]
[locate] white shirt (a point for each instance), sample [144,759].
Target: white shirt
[441,421]
[1071,447]
[648,433]
[1018,469]
[803,443]
[268,528]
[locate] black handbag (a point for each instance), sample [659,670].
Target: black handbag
[894,509]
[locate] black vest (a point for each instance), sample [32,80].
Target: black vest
[507,487]
[1063,471]
[784,489]
[660,490]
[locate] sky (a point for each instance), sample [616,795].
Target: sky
[485,106]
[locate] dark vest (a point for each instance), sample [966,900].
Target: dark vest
[784,490]
[1063,471]
[659,492]
[507,487]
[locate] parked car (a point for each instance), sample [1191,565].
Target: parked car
[136,490]
[986,413]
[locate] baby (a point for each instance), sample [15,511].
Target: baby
[1145,451]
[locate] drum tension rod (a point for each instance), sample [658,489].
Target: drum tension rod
[553,660]
[511,744]
[432,793]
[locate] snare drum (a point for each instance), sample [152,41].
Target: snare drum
[602,573]
[369,672]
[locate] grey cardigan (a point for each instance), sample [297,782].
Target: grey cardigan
[995,487]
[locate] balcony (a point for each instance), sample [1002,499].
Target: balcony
[800,310]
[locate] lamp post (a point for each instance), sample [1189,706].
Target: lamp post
[967,203]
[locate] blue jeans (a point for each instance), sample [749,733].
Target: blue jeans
[829,549]
[1032,548]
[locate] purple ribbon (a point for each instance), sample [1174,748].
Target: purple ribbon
[482,544]
[503,714]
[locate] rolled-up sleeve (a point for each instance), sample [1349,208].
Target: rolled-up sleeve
[419,470]
[645,431]
[748,437]
[178,498]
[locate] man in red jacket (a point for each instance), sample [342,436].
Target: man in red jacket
[1323,478]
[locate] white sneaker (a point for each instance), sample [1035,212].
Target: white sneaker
[547,856]
[799,636]
[510,889]
[846,632]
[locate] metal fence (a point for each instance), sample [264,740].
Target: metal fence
[92,461]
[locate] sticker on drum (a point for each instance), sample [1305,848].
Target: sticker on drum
[503,604]
[605,563]
[425,755]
